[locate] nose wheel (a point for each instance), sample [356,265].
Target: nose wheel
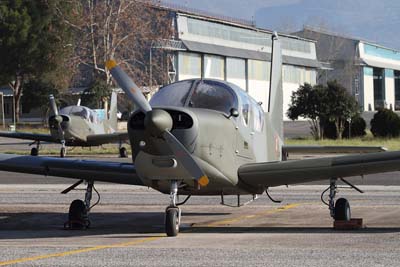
[63,151]
[173,212]
[123,153]
[35,150]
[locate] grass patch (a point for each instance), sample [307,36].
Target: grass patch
[369,140]
[74,151]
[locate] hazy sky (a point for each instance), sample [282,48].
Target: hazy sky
[373,20]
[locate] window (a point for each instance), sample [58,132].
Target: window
[245,107]
[214,67]
[189,65]
[213,95]
[80,111]
[379,94]
[397,88]
[258,116]
[259,70]
[236,71]
[174,94]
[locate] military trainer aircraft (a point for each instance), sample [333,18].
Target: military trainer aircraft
[205,137]
[77,126]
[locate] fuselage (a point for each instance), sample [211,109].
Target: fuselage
[78,123]
[203,123]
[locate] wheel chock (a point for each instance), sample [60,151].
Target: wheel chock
[353,224]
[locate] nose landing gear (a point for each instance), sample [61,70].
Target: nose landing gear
[63,151]
[173,212]
[35,150]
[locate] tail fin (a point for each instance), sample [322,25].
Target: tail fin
[274,117]
[113,119]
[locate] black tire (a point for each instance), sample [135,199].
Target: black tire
[171,222]
[123,153]
[342,210]
[63,152]
[77,215]
[34,151]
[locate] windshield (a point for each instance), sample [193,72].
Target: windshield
[174,94]
[213,95]
[80,111]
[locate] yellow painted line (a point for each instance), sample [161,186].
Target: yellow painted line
[78,251]
[259,214]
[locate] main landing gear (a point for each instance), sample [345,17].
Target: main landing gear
[173,212]
[35,150]
[78,215]
[339,211]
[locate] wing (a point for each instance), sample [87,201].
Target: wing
[307,170]
[332,149]
[29,136]
[99,139]
[114,172]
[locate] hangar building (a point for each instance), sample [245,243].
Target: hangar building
[236,51]
[370,71]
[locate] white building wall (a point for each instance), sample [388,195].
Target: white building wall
[389,89]
[368,90]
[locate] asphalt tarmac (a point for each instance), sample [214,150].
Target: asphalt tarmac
[127,227]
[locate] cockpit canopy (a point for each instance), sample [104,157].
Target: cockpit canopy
[208,94]
[80,111]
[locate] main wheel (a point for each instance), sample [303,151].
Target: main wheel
[34,151]
[342,210]
[77,215]
[123,153]
[171,222]
[63,152]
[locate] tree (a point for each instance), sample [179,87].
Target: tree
[323,105]
[119,29]
[385,123]
[308,102]
[36,94]
[340,106]
[32,42]
[96,94]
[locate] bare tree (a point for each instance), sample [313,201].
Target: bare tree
[118,29]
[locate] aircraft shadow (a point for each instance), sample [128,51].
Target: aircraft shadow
[30,225]
[289,230]
[46,224]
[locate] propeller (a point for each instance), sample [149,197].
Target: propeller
[157,122]
[58,119]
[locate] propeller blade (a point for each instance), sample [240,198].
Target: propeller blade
[184,157]
[57,117]
[53,105]
[129,87]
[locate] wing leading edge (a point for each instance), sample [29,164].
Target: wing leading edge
[99,139]
[301,171]
[114,172]
[29,136]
